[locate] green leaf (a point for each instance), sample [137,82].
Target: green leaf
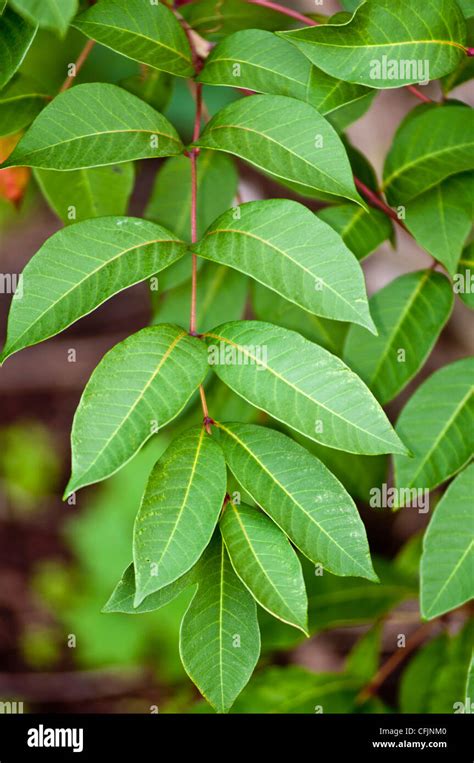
[447,563]
[147,32]
[220,638]
[409,314]
[464,278]
[465,69]
[179,511]
[139,386]
[92,125]
[437,424]
[306,150]
[385,44]
[441,219]
[16,37]
[216,19]
[20,102]
[283,245]
[48,14]
[435,679]
[123,595]
[79,268]
[81,194]
[273,369]
[257,60]
[267,305]
[429,146]
[221,293]
[297,491]
[470,680]
[359,474]
[170,200]
[361,230]
[294,690]
[363,660]
[265,562]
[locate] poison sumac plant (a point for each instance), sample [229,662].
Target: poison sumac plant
[301,81]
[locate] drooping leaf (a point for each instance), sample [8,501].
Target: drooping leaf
[441,218]
[275,370]
[283,245]
[264,560]
[123,595]
[437,425]
[435,679]
[215,19]
[267,305]
[79,268]
[92,125]
[447,563]
[385,45]
[48,14]
[16,36]
[409,314]
[297,491]
[464,278]
[428,147]
[147,32]
[361,230]
[219,637]
[139,386]
[81,194]
[258,60]
[306,150]
[20,102]
[221,293]
[178,512]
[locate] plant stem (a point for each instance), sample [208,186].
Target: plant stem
[378,202]
[394,661]
[286,11]
[78,65]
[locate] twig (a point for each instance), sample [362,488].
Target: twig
[394,661]
[378,202]
[78,65]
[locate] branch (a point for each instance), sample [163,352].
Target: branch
[394,661]
[78,65]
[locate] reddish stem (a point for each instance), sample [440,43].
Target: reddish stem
[378,202]
[285,11]
[78,65]
[421,96]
